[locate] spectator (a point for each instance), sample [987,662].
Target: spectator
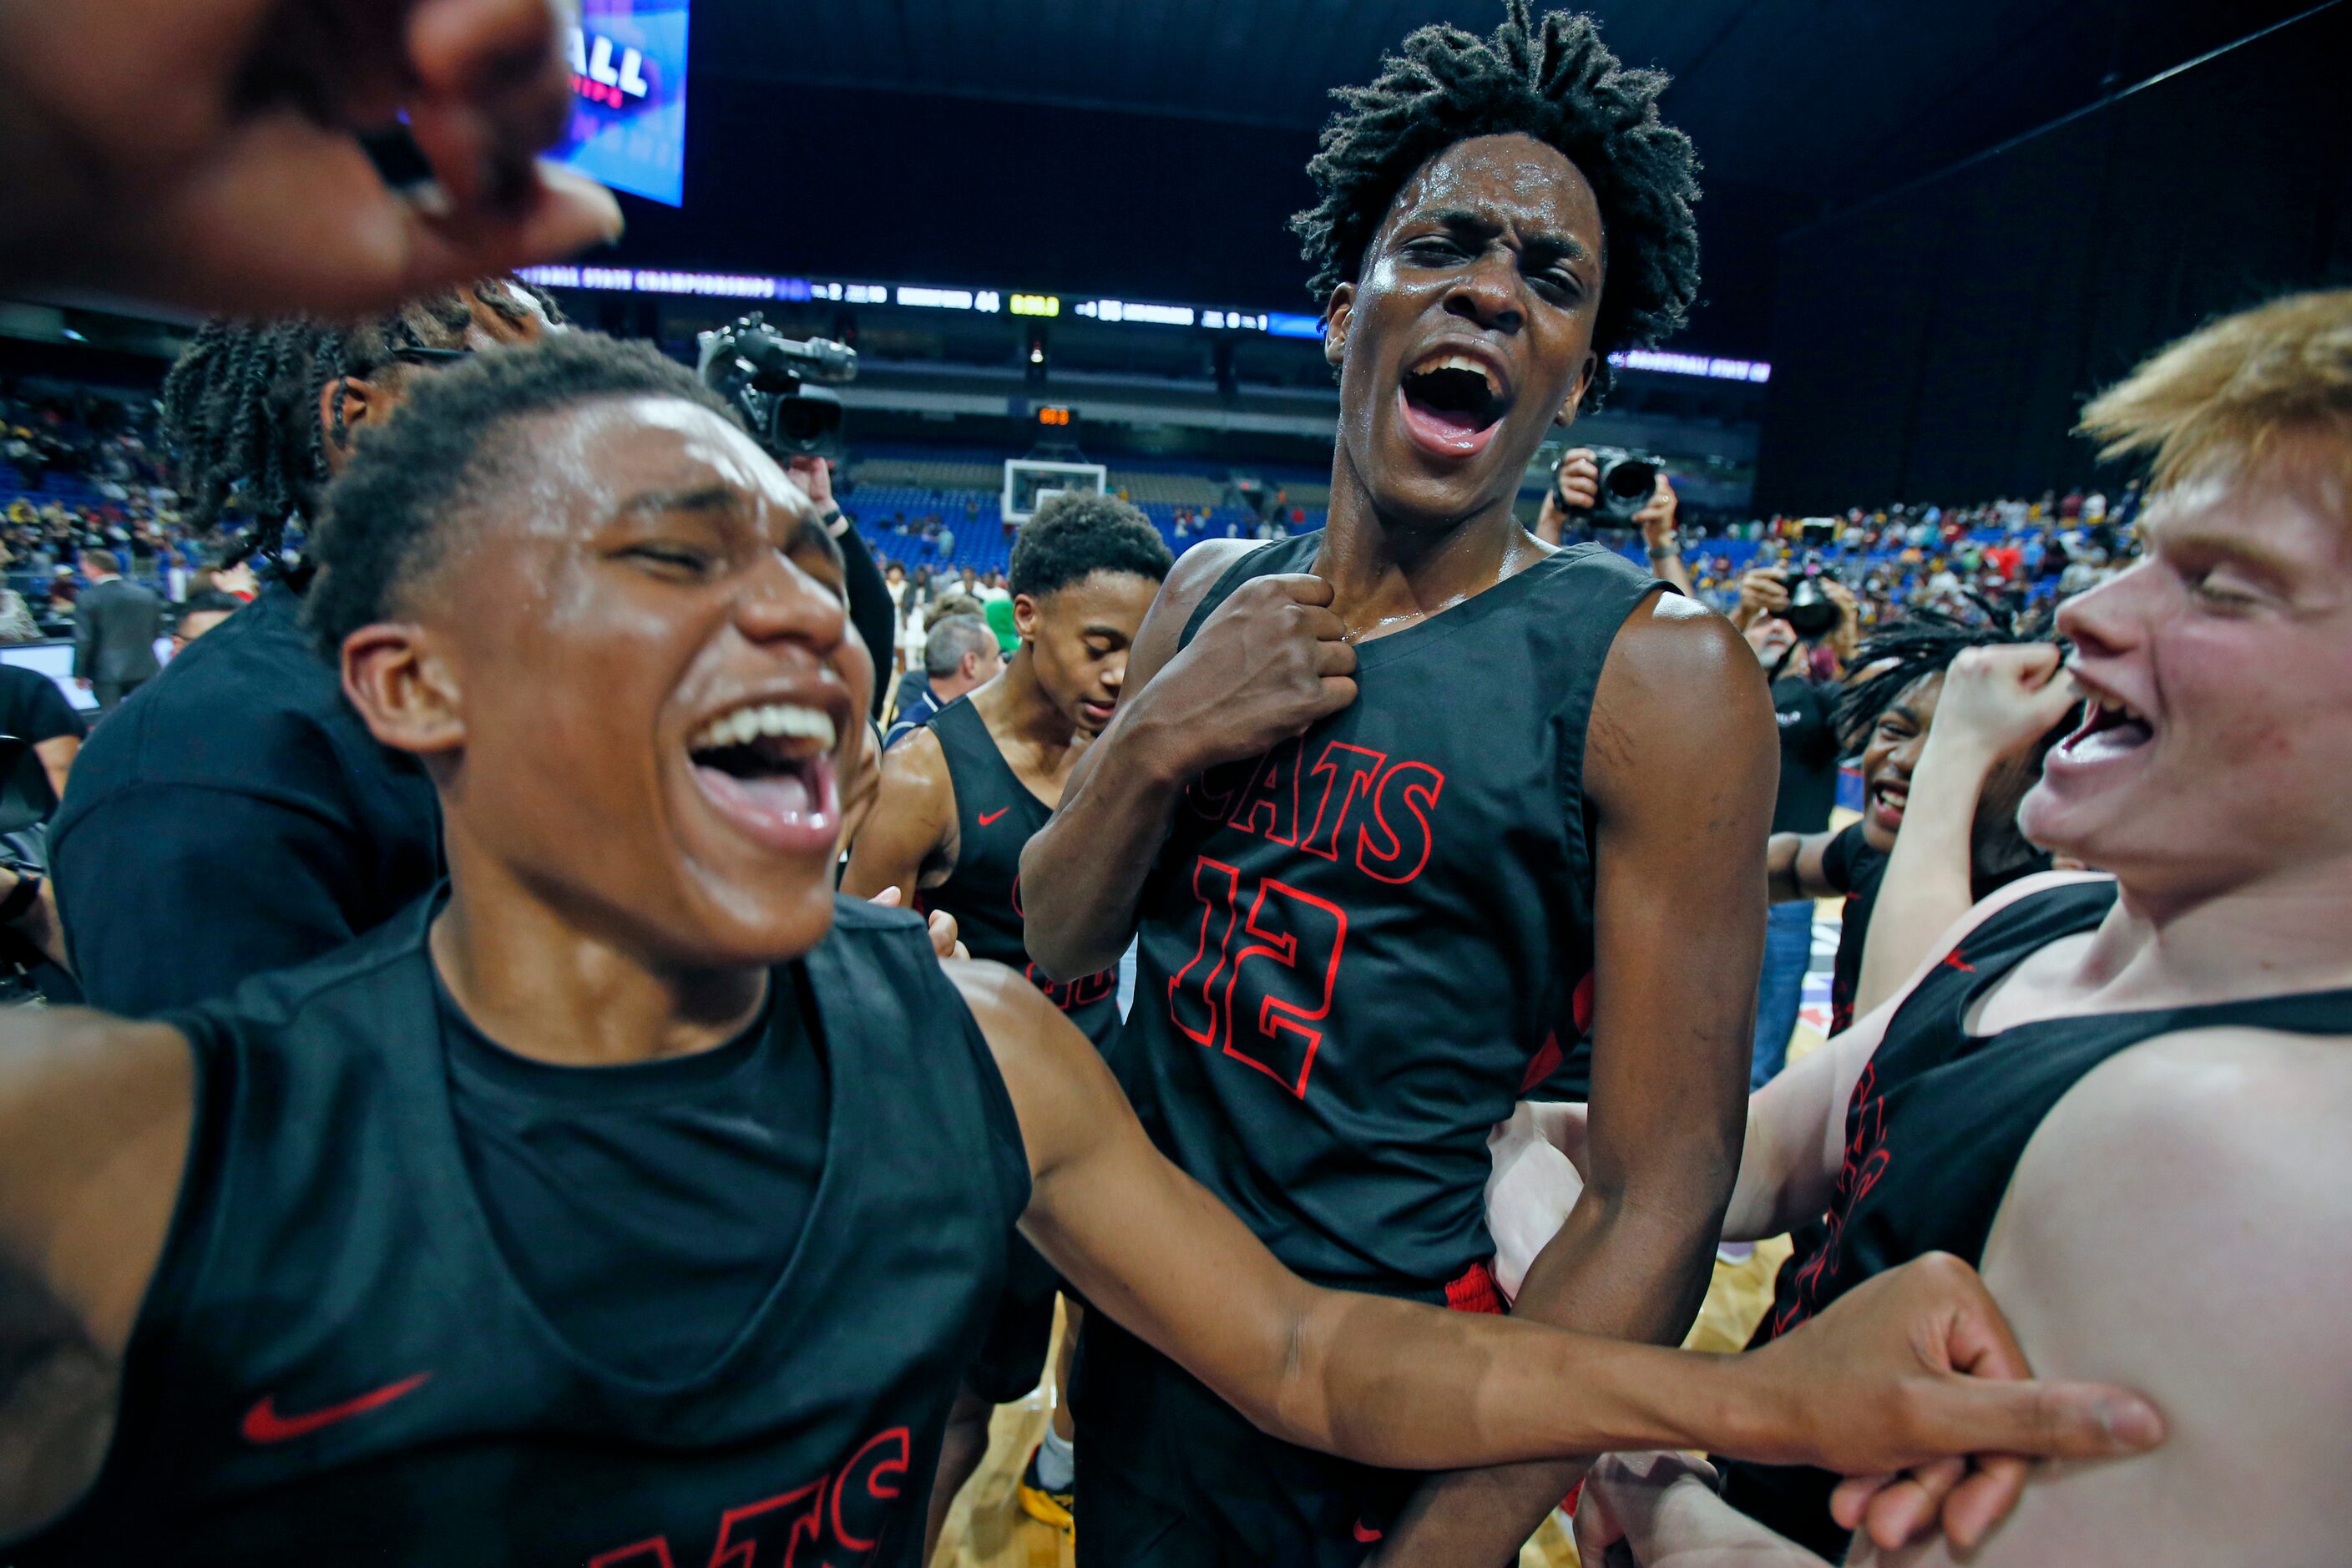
[1806,711]
[116,625]
[960,656]
[32,709]
[200,615]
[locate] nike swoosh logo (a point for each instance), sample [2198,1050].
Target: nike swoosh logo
[1367,1536]
[264,1425]
[992,818]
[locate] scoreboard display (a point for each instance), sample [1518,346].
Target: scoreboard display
[628,98]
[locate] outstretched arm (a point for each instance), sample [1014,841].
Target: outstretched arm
[1894,1375]
[94,1126]
[1681,761]
[1794,866]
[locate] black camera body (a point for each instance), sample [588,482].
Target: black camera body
[1812,612]
[1628,480]
[779,386]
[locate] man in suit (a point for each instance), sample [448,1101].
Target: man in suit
[116,624]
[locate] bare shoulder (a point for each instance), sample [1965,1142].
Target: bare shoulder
[96,1115]
[1197,571]
[1676,650]
[2181,1222]
[1680,688]
[916,760]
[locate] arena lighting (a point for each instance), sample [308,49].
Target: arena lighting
[989,301]
[1123,311]
[1692,364]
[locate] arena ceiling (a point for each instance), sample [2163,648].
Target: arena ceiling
[1155,148]
[1831,99]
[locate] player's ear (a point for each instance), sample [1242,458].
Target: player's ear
[1337,317]
[1024,616]
[348,405]
[1577,389]
[404,688]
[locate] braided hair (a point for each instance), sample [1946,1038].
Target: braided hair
[1903,653]
[1557,83]
[241,404]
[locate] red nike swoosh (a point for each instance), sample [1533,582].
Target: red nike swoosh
[990,818]
[264,1425]
[1367,1536]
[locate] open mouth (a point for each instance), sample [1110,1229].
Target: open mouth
[1887,800]
[1452,403]
[2111,727]
[768,768]
[1096,715]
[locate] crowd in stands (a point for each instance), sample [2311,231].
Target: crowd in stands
[83,470]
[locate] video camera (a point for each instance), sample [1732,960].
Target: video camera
[1628,480]
[768,378]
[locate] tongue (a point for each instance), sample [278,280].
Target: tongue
[1456,422]
[780,796]
[2112,740]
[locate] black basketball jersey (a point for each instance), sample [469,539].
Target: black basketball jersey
[995,818]
[336,1365]
[1936,1126]
[1359,949]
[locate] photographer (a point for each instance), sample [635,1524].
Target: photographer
[1806,711]
[1576,490]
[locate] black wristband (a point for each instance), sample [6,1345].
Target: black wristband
[21,898]
[834,523]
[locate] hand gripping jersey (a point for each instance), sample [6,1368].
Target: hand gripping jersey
[336,1365]
[995,818]
[1936,1128]
[1359,949]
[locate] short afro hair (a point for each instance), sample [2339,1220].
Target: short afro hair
[387,514]
[1075,535]
[1557,83]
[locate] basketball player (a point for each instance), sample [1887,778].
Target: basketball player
[2007,713]
[961,798]
[633,1201]
[1368,925]
[2130,1096]
[269,826]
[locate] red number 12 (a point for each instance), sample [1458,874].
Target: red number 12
[1260,1005]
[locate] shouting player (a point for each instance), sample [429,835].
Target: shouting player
[2094,1080]
[961,798]
[635,1201]
[1408,809]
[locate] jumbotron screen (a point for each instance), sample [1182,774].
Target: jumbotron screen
[628,97]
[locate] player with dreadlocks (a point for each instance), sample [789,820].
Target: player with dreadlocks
[1988,689]
[1412,813]
[269,827]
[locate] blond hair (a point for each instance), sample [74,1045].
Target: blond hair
[2225,396]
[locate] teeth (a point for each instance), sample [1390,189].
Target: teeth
[787,719]
[1458,362]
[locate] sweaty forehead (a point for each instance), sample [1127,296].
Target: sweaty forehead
[616,449]
[1513,180]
